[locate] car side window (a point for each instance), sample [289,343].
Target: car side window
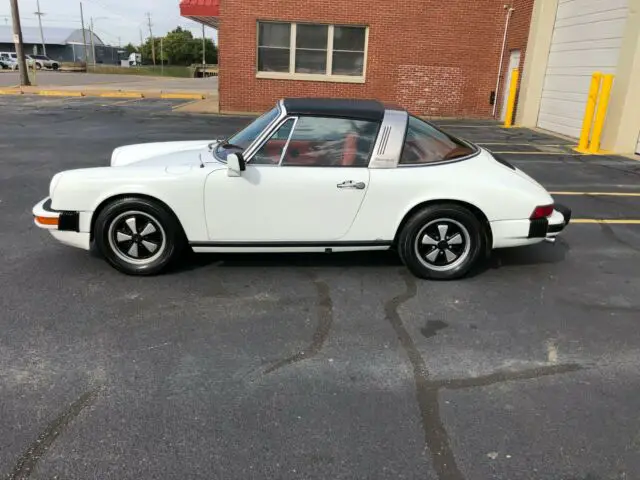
[330,142]
[427,144]
[271,151]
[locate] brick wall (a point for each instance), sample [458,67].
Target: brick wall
[435,58]
[517,36]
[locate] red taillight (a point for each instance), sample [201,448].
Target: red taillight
[542,212]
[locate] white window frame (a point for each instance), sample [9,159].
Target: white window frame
[313,77]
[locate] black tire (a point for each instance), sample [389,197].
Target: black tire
[156,233]
[38,66]
[429,256]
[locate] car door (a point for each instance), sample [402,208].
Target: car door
[306,183]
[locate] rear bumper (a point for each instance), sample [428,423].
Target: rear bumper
[518,233]
[63,225]
[550,227]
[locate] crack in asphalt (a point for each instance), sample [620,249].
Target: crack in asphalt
[324,307]
[507,376]
[28,460]
[435,435]
[427,391]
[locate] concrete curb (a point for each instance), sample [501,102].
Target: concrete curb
[184,96]
[108,93]
[59,93]
[121,95]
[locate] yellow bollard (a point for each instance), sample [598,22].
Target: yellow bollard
[601,114]
[511,103]
[588,113]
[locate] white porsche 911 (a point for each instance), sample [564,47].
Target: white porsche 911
[310,175]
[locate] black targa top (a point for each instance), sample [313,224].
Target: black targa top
[336,107]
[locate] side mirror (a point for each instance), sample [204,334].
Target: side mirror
[235,164]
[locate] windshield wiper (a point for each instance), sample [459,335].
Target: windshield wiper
[231,145]
[224,143]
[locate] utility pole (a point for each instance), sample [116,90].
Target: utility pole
[162,56]
[93,45]
[17,39]
[40,14]
[153,43]
[84,37]
[204,53]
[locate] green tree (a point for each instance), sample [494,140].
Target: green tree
[146,51]
[130,48]
[180,48]
[211,52]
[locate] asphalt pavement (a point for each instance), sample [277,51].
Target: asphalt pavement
[314,366]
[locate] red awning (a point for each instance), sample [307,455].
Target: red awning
[203,11]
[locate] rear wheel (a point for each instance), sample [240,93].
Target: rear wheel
[138,236]
[441,242]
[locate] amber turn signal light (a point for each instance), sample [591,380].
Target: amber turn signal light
[52,221]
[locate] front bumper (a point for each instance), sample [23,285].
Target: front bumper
[551,227]
[50,219]
[65,226]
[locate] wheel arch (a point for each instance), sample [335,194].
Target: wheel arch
[106,201]
[479,214]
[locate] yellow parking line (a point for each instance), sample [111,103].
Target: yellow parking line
[467,126]
[607,221]
[523,144]
[542,153]
[599,194]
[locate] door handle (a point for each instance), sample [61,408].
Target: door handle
[352,184]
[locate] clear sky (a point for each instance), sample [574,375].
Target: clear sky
[112,18]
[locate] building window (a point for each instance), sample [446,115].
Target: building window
[273,47]
[303,51]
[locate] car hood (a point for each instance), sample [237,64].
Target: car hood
[166,154]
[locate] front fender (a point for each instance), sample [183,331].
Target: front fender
[89,189]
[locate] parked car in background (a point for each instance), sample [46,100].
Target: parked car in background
[6,62]
[13,55]
[42,61]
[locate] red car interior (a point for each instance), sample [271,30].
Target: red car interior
[309,153]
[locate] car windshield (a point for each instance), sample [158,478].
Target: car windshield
[39,57]
[241,140]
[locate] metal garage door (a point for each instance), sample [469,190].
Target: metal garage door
[586,38]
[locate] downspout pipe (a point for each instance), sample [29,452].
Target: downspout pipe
[510,10]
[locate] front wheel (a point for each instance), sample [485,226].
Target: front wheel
[138,236]
[442,242]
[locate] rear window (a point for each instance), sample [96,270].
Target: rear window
[426,144]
